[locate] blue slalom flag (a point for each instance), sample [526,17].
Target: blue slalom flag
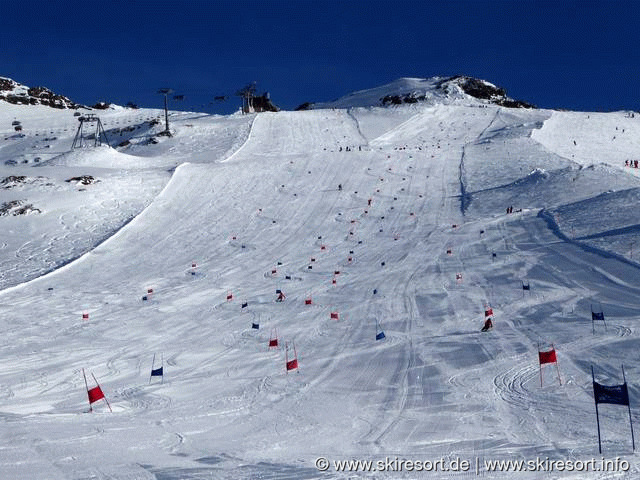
[597,315]
[614,394]
[380,335]
[157,372]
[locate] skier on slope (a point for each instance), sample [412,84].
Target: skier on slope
[488,325]
[280,297]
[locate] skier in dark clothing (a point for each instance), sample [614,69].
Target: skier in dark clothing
[488,325]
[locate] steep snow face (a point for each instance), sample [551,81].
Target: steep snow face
[589,138]
[422,89]
[430,91]
[73,199]
[415,243]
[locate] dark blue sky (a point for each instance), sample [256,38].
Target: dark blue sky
[579,55]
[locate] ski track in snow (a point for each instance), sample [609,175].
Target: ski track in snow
[247,195]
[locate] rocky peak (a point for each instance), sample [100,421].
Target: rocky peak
[19,94]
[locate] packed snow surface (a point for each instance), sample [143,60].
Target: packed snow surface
[368,220]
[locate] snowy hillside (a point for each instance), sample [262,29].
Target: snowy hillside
[458,89]
[369,220]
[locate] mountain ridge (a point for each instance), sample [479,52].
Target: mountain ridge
[19,94]
[409,90]
[404,90]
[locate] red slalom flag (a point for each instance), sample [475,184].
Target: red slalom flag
[95,394]
[293,363]
[488,312]
[273,338]
[335,315]
[547,357]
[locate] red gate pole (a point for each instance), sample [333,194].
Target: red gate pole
[103,395]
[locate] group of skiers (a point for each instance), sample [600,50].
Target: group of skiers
[511,210]
[631,163]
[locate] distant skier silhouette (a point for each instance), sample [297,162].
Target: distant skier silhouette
[488,325]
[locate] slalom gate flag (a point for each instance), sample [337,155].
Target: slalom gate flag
[547,357]
[335,315]
[95,394]
[488,312]
[273,338]
[614,394]
[157,372]
[292,364]
[380,335]
[597,315]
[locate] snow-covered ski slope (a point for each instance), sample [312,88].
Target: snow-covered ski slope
[253,202]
